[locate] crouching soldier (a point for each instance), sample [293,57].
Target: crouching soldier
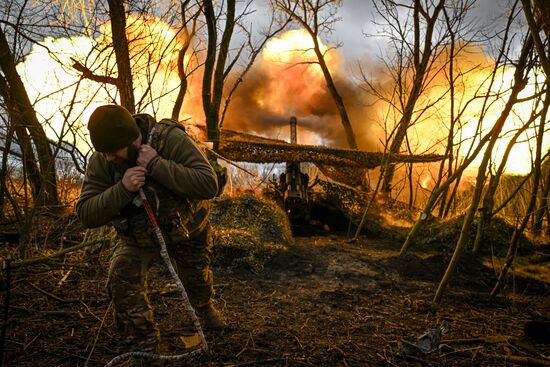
[178,181]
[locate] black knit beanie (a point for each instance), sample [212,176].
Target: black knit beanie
[111,128]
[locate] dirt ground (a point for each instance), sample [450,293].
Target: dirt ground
[324,302]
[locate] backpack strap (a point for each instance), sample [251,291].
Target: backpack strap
[157,137]
[152,131]
[159,131]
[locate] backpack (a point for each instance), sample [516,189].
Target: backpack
[159,130]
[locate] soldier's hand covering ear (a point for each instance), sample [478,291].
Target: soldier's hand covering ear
[146,153]
[134,178]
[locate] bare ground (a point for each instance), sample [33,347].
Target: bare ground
[324,302]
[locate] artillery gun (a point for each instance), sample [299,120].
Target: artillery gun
[293,184]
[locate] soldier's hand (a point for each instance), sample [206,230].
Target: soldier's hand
[134,178]
[146,153]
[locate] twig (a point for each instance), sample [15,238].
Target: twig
[25,346]
[244,348]
[298,341]
[93,314]
[64,278]
[98,331]
[47,294]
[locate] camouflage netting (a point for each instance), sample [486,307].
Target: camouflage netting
[352,203]
[278,152]
[343,165]
[248,231]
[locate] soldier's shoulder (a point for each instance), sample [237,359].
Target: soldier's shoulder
[96,159]
[97,162]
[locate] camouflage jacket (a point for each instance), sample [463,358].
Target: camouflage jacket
[179,183]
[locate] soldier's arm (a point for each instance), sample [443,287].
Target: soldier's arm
[100,198]
[183,168]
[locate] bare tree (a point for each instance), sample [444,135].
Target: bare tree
[510,256]
[317,18]
[520,80]
[188,34]
[453,175]
[486,209]
[220,62]
[4,173]
[120,44]
[214,66]
[414,60]
[28,129]
[537,15]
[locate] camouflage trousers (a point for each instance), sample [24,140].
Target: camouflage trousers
[131,258]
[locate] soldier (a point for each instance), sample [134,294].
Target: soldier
[178,181]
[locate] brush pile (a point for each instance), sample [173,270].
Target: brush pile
[247,232]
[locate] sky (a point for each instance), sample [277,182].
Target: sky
[272,92]
[358,21]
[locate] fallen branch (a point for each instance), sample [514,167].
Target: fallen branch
[37,260]
[51,295]
[97,334]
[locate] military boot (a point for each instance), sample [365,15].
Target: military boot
[210,318]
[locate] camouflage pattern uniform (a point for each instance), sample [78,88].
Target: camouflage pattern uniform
[179,183]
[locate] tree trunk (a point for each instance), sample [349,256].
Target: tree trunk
[519,84]
[181,67]
[120,44]
[4,169]
[30,165]
[536,179]
[310,21]
[450,137]
[23,115]
[338,100]
[544,22]
[210,114]
[542,211]
[214,68]
[420,66]
[486,209]
[458,170]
